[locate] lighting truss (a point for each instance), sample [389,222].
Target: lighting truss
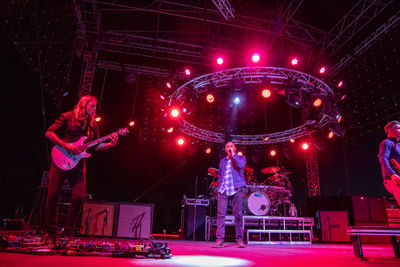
[254,75]
[360,15]
[367,43]
[225,8]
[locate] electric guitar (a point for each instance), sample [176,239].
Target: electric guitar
[67,161]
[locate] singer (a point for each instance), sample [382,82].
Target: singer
[231,184]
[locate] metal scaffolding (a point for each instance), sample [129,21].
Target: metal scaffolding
[314,188]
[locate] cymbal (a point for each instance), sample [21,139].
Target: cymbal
[213,172]
[268,170]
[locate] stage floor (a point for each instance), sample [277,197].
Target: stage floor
[200,253]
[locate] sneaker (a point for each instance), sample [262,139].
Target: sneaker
[218,244]
[240,244]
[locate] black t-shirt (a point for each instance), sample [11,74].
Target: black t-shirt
[69,129]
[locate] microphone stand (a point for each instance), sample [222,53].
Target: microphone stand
[195,208]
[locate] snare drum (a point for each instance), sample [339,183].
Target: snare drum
[256,203]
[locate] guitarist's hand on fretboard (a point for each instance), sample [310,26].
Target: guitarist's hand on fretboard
[72,149]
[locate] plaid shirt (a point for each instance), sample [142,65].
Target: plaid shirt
[227,184]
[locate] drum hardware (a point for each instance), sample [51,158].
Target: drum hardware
[213,172]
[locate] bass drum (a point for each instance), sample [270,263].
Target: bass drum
[256,203]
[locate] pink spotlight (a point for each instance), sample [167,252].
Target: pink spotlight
[304,146]
[340,84]
[162,97]
[266,93]
[170,130]
[181,141]
[240,153]
[294,61]
[187,71]
[174,112]
[255,58]
[169,85]
[220,61]
[322,70]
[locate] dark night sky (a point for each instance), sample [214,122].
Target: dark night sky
[347,166]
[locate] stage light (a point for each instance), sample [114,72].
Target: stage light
[294,61]
[210,98]
[292,140]
[98,119]
[340,84]
[174,112]
[322,70]
[169,85]
[240,153]
[220,61]
[162,97]
[343,97]
[170,130]
[317,102]
[304,146]
[187,71]
[339,118]
[181,141]
[236,100]
[255,58]
[131,123]
[266,138]
[208,150]
[266,93]
[272,153]
[330,135]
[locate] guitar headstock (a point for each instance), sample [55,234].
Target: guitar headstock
[123,131]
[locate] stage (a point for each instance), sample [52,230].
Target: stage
[200,253]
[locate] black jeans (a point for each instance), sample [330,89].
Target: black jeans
[76,178]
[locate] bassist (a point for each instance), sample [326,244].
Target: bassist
[68,128]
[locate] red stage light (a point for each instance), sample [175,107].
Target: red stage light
[292,140]
[170,130]
[317,102]
[322,70]
[210,98]
[294,61]
[266,93]
[181,141]
[339,118]
[174,112]
[131,123]
[255,58]
[343,97]
[340,84]
[240,153]
[168,84]
[208,150]
[304,146]
[220,61]
[162,97]
[97,119]
[187,71]
[272,153]
[330,135]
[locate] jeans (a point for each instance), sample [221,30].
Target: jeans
[76,178]
[237,206]
[393,186]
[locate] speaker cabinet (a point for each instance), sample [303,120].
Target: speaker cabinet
[98,218]
[190,223]
[334,226]
[135,220]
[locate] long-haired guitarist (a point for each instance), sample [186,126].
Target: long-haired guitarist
[389,158]
[67,129]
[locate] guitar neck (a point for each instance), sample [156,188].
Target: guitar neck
[97,141]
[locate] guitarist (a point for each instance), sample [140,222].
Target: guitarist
[68,128]
[389,149]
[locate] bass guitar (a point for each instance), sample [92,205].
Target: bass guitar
[67,161]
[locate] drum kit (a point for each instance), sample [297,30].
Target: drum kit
[271,196]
